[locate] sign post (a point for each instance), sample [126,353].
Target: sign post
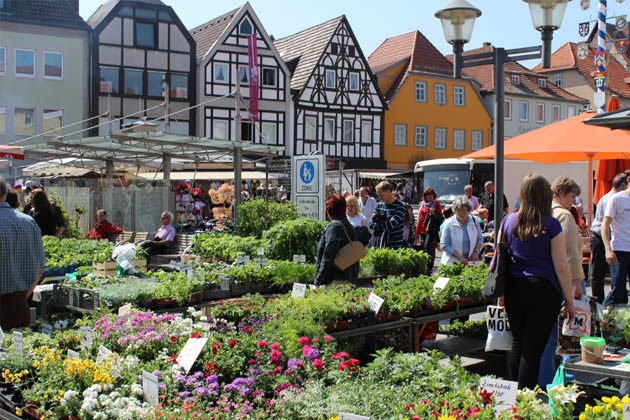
[308,186]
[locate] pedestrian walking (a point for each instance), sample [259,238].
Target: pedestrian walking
[388,218]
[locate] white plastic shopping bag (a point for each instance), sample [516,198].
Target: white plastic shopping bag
[124,255]
[499,333]
[581,325]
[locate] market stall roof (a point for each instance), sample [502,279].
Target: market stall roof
[614,119]
[72,165]
[138,148]
[207,176]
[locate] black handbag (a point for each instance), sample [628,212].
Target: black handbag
[494,287]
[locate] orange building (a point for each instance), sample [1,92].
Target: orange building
[431,114]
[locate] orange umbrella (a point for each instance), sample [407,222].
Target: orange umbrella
[565,141]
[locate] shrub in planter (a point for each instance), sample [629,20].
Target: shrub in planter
[225,247]
[256,216]
[386,261]
[294,237]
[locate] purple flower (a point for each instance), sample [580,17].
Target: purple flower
[313,354]
[184,394]
[212,379]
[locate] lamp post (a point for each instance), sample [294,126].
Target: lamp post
[458,19]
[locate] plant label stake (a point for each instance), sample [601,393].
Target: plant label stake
[86,337]
[225,282]
[312,287]
[626,412]
[242,259]
[73,354]
[299,258]
[261,261]
[504,392]
[18,343]
[103,353]
[47,329]
[124,310]
[1,336]
[299,290]
[150,388]
[261,251]
[441,283]
[190,352]
[190,274]
[375,303]
[346,416]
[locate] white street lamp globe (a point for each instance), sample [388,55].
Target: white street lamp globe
[547,13]
[458,20]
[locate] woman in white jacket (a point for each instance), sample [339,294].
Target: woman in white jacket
[461,237]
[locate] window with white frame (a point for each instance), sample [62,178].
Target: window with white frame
[476,140]
[354,81]
[348,131]
[3,61]
[542,83]
[557,79]
[439,142]
[330,82]
[53,65]
[570,111]
[24,63]
[53,121]
[220,129]
[3,119]
[540,113]
[24,121]
[507,109]
[459,96]
[556,113]
[220,72]
[329,129]
[366,131]
[400,134]
[516,80]
[421,91]
[420,138]
[269,76]
[459,139]
[269,135]
[524,111]
[243,75]
[439,91]
[310,128]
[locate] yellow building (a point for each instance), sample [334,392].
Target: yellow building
[430,114]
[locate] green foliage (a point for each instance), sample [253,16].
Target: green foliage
[256,216]
[72,223]
[176,285]
[476,329]
[294,237]
[386,261]
[225,247]
[65,252]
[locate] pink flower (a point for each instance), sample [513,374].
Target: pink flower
[303,340]
[343,354]
[328,338]
[276,357]
[314,340]
[318,363]
[274,346]
[306,350]
[261,343]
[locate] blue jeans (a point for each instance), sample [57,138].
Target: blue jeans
[619,274]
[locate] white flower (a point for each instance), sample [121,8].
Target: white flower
[203,319]
[137,389]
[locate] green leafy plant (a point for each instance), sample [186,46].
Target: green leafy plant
[256,216]
[294,237]
[387,261]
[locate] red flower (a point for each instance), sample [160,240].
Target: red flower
[173,359]
[215,347]
[486,396]
[409,407]
[354,363]
[211,367]
[274,346]
[303,340]
[195,335]
[318,363]
[173,339]
[261,343]
[328,338]
[314,340]
[258,353]
[248,330]
[231,343]
[414,417]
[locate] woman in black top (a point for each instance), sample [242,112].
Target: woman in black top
[49,217]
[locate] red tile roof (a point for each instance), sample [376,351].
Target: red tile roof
[565,58]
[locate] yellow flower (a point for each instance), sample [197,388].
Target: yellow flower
[619,407]
[625,399]
[334,418]
[615,399]
[447,417]
[61,393]
[597,409]
[606,399]
[18,411]
[582,417]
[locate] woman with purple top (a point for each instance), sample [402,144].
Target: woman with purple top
[538,273]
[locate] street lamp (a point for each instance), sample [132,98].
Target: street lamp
[547,17]
[458,20]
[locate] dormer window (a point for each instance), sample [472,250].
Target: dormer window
[516,80]
[246,27]
[542,83]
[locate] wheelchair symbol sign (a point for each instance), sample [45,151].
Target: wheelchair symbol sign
[307,172]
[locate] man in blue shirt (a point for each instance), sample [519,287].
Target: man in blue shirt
[388,219]
[22,260]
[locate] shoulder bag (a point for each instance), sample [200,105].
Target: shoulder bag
[349,254]
[494,286]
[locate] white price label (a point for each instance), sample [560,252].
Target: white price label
[261,251]
[225,283]
[190,274]
[190,352]
[18,343]
[73,354]
[242,259]
[312,287]
[504,392]
[150,388]
[86,337]
[1,336]
[375,302]
[261,261]
[347,416]
[124,310]
[103,353]
[299,290]
[299,258]
[47,329]
[626,411]
[441,283]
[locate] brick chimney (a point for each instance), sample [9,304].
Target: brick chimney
[485,44]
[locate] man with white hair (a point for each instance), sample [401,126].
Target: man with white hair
[367,203]
[163,238]
[22,260]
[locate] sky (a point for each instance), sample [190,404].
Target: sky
[504,23]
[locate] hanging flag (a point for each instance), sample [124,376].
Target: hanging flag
[622,46]
[253,77]
[584,28]
[621,22]
[585,4]
[582,51]
[599,58]
[600,78]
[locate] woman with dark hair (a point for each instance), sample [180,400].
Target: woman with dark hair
[430,218]
[538,275]
[48,216]
[338,233]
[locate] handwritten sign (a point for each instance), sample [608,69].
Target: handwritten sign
[150,388]
[504,392]
[441,283]
[86,337]
[347,416]
[190,352]
[626,411]
[18,343]
[103,354]
[47,329]
[375,303]
[299,290]
[299,258]
[242,259]
[73,354]
[124,310]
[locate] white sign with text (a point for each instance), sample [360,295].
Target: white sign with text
[150,388]
[375,302]
[504,392]
[18,343]
[86,337]
[626,411]
[299,290]
[73,354]
[347,416]
[441,283]
[299,258]
[103,354]
[190,352]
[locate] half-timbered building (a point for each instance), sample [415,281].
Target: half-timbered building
[338,109]
[136,46]
[223,65]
